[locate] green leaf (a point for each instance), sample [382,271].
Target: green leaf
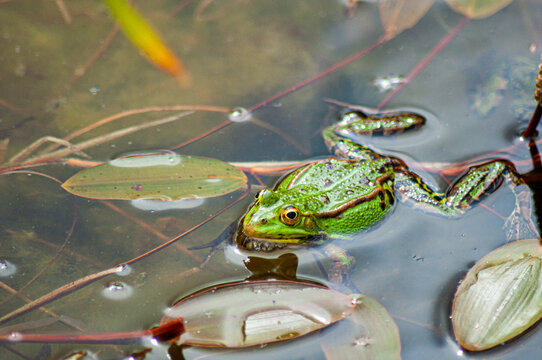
[372,334]
[243,314]
[500,297]
[478,9]
[156,177]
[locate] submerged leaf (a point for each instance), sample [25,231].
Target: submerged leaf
[478,9]
[145,37]
[245,314]
[373,334]
[500,297]
[156,177]
[399,15]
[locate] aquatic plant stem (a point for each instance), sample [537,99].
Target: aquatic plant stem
[322,74]
[426,60]
[533,124]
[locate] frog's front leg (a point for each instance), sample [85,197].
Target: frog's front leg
[478,181]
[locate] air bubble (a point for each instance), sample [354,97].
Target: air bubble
[124,270]
[15,336]
[94,90]
[7,268]
[387,83]
[239,114]
[117,290]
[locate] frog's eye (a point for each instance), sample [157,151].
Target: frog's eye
[258,194]
[289,215]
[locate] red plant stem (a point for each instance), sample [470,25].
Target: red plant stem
[533,124]
[321,74]
[98,338]
[165,332]
[201,136]
[426,60]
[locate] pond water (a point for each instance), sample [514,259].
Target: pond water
[63,70]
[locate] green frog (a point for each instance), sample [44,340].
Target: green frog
[354,191]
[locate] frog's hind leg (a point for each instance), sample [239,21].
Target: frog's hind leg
[470,188]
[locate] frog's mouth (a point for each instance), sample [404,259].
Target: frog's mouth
[254,244]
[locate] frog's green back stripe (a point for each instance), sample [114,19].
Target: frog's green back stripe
[354,202]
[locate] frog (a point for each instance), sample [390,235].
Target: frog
[357,187]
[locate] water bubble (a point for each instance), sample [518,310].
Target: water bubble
[94,90]
[362,341]
[124,270]
[459,352]
[239,114]
[7,268]
[387,83]
[117,290]
[15,336]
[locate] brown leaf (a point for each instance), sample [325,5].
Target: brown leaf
[399,15]
[478,9]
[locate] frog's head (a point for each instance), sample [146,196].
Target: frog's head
[276,219]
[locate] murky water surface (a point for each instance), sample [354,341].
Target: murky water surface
[58,76]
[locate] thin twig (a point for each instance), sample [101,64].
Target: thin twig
[23,154]
[108,137]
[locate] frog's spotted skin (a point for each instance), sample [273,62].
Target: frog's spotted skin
[348,198]
[339,197]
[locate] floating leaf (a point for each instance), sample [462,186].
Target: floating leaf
[145,38]
[372,334]
[500,297]
[399,15]
[156,177]
[478,9]
[245,314]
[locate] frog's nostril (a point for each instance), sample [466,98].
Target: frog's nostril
[263,221]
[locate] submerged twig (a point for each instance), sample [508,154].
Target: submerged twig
[23,154]
[108,137]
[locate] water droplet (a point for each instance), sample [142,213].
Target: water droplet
[94,90]
[124,270]
[362,341]
[387,83]
[15,336]
[459,352]
[117,290]
[239,114]
[7,268]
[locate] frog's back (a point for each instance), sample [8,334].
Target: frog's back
[344,196]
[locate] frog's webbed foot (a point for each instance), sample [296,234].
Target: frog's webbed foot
[342,264]
[520,225]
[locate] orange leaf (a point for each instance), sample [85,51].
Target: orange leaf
[146,39]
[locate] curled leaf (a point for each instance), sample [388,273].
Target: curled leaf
[245,314]
[156,177]
[372,334]
[500,297]
[399,15]
[478,9]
